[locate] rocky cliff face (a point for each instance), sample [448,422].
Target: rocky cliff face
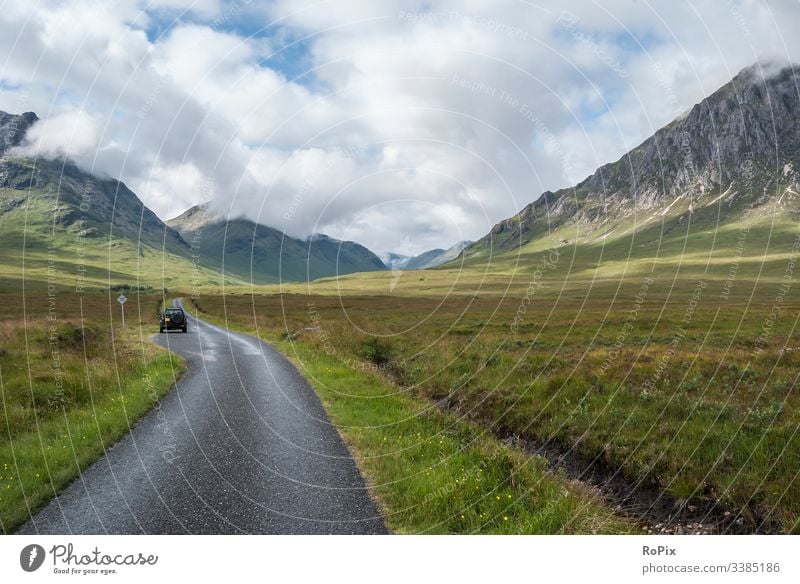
[739,144]
[13,128]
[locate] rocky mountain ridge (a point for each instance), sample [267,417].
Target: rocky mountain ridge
[737,148]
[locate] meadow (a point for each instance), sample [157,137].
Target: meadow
[72,382]
[670,378]
[645,383]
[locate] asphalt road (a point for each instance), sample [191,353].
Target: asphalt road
[241,444]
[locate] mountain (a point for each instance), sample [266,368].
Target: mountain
[13,129]
[428,259]
[75,201]
[263,254]
[435,257]
[395,261]
[731,155]
[98,228]
[79,220]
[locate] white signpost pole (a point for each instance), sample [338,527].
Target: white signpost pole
[121,301]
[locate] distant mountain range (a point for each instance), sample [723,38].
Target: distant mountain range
[108,225]
[436,257]
[428,259]
[734,155]
[101,225]
[395,261]
[736,152]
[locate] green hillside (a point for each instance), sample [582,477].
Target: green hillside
[61,225]
[261,254]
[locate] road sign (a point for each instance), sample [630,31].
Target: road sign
[122,301]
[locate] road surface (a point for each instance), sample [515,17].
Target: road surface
[240,445]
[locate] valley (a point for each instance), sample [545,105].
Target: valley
[618,357]
[670,382]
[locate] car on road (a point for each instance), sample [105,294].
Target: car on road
[173,319]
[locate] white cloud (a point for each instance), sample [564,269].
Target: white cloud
[176,187]
[72,133]
[396,123]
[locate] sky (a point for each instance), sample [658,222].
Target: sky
[404,126]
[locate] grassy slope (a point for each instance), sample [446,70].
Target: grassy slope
[678,246]
[263,254]
[56,222]
[32,251]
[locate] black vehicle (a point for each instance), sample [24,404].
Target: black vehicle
[173,319]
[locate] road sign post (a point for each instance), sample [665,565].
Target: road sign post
[122,301]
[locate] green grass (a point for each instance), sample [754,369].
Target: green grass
[691,389]
[69,389]
[433,472]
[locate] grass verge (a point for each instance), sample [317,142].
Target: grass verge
[67,393]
